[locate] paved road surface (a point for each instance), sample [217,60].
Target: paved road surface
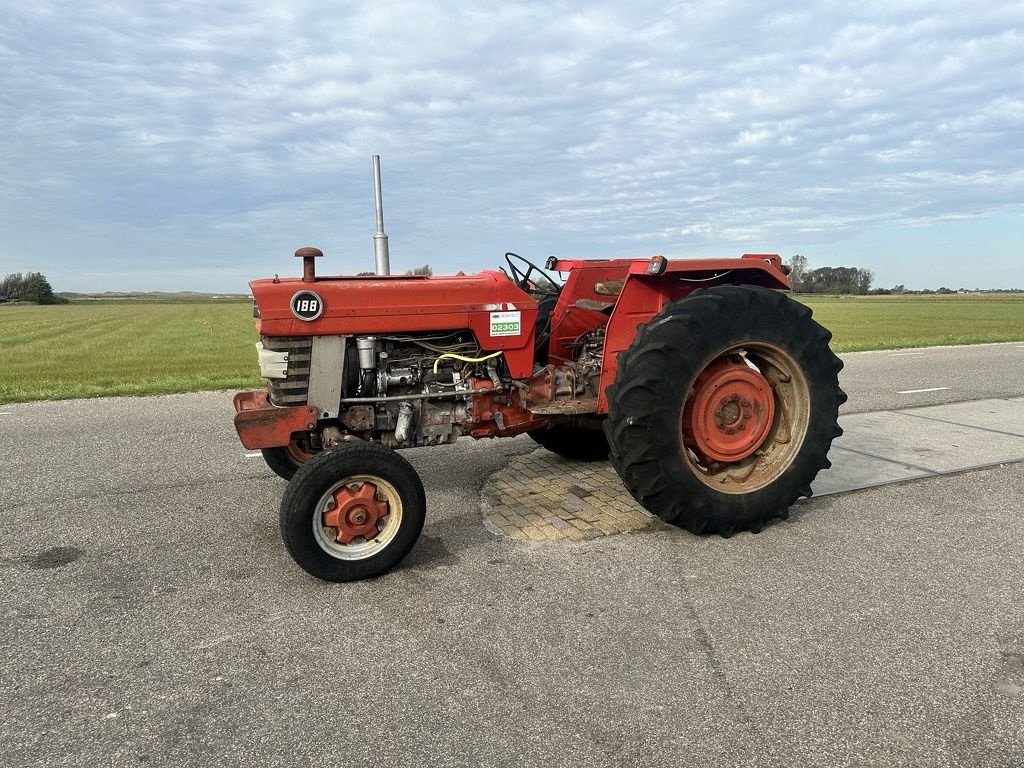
[906,378]
[151,616]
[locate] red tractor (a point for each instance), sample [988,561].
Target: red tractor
[715,394]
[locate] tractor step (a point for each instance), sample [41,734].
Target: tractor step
[565,407]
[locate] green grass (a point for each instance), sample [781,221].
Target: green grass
[893,322]
[99,348]
[125,348]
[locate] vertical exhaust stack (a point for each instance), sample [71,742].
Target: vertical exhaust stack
[381,256]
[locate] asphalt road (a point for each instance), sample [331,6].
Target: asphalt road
[152,617]
[905,378]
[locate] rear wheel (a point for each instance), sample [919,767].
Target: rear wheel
[352,512]
[724,409]
[571,442]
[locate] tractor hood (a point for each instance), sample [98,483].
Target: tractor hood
[500,315]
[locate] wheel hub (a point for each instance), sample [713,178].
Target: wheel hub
[355,511]
[730,411]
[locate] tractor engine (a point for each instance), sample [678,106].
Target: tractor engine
[399,390]
[400,373]
[418,389]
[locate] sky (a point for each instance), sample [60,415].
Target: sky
[195,145]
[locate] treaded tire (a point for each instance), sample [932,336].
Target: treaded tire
[652,437]
[280,462]
[318,483]
[571,442]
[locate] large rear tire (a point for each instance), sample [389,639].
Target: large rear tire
[724,409]
[352,512]
[572,442]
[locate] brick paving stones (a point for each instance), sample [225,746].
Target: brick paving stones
[542,497]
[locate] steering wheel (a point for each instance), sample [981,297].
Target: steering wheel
[545,286]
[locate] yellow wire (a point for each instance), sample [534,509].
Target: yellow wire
[464,359]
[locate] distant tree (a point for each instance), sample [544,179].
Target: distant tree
[33,287]
[864,279]
[10,286]
[798,266]
[364,274]
[843,280]
[37,289]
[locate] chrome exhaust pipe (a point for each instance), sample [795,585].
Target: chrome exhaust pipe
[382,258]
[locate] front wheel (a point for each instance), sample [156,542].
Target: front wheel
[724,409]
[352,512]
[286,460]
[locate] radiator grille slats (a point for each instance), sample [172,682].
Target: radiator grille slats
[293,390]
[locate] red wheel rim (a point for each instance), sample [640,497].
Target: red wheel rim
[729,412]
[356,512]
[297,453]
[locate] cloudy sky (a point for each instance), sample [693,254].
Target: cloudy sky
[194,145]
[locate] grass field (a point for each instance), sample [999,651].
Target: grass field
[125,348]
[134,348]
[892,322]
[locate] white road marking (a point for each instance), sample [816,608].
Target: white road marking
[917,391]
[6,413]
[254,455]
[216,642]
[904,354]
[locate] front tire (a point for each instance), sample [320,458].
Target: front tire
[724,409]
[286,460]
[352,512]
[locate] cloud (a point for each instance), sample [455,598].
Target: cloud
[569,128]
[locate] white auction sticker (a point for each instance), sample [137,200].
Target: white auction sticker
[506,323]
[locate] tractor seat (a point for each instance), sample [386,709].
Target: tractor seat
[609,287]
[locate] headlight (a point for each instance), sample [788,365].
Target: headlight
[657,265]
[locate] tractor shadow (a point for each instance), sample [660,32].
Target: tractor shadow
[430,553]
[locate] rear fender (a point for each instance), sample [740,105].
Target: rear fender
[643,296]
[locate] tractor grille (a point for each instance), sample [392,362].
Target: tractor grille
[293,390]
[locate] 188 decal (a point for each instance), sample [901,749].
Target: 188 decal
[307,305]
